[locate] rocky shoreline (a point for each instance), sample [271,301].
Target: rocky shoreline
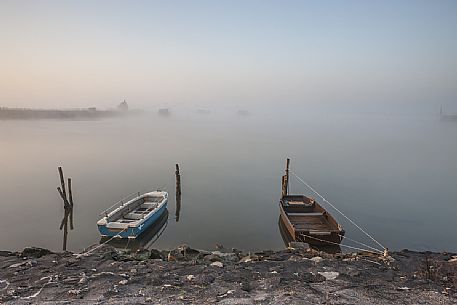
[188,276]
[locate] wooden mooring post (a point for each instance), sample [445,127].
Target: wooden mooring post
[285,180]
[178,193]
[68,207]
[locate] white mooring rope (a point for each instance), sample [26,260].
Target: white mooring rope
[336,209]
[340,245]
[360,243]
[99,246]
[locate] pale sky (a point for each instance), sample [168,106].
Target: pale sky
[84,53]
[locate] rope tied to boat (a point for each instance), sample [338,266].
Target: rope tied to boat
[360,243]
[86,253]
[336,209]
[377,252]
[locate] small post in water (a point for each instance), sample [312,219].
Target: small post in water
[285,180]
[178,192]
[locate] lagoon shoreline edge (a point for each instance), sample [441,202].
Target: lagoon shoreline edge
[188,276]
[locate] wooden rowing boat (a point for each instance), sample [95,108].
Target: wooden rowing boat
[145,240]
[306,220]
[130,219]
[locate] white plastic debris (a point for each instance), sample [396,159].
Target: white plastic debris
[190,277]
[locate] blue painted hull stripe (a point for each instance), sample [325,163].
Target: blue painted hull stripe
[134,231]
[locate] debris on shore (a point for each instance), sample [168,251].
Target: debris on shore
[189,276]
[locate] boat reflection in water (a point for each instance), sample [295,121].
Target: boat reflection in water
[287,238]
[143,241]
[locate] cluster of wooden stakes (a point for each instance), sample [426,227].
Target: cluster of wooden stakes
[67,205]
[67,220]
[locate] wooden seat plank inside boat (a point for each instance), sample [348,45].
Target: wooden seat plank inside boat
[306,214]
[137,210]
[309,222]
[141,211]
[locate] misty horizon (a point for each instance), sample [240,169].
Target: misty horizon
[391,56]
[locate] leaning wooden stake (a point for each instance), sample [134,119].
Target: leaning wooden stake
[67,205]
[178,192]
[285,180]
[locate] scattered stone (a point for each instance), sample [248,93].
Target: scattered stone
[329,275]
[83,279]
[171,257]
[5,253]
[35,252]
[245,286]
[141,255]
[236,301]
[23,264]
[316,259]
[156,254]
[181,253]
[71,280]
[220,256]
[74,292]
[226,294]
[186,251]
[246,259]
[217,264]
[294,245]
[261,297]
[4,284]
[249,258]
[236,251]
[212,258]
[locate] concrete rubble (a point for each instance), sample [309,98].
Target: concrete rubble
[189,276]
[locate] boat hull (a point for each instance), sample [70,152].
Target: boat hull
[332,237]
[134,231]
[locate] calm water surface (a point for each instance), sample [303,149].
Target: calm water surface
[395,175]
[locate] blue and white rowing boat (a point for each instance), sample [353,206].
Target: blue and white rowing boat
[132,218]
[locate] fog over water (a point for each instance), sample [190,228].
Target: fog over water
[394,174]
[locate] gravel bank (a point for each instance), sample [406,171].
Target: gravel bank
[188,276]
